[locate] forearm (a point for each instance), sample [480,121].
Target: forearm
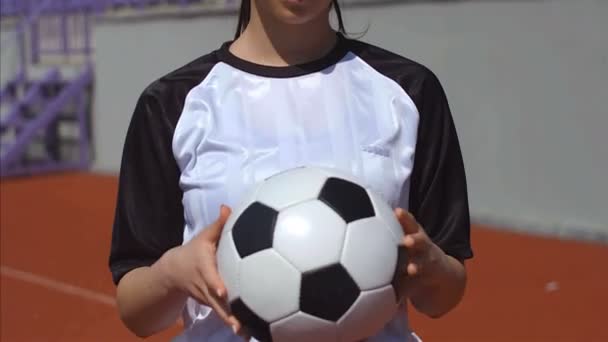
[146,303]
[444,291]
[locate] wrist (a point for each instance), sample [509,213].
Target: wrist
[165,269]
[439,268]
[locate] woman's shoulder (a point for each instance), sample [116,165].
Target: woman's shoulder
[183,78]
[166,95]
[417,79]
[385,59]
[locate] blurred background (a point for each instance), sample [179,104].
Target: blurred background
[527,82]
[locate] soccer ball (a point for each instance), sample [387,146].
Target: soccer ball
[311,255]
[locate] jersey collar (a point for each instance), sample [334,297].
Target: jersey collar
[334,56]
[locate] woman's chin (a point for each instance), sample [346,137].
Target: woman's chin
[300,11]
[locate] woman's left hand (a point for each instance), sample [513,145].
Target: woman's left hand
[425,260]
[433,281]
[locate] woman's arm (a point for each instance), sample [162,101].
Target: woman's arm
[443,291]
[438,228]
[151,298]
[146,302]
[433,281]
[153,271]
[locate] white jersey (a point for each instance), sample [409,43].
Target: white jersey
[204,134]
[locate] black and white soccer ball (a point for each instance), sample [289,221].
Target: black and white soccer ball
[311,255]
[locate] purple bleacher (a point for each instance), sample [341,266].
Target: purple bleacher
[77,90]
[33,96]
[37,107]
[12,7]
[8,91]
[73,38]
[23,7]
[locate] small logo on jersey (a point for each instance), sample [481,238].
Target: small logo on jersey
[381,151]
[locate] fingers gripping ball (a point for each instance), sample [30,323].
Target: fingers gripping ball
[311,255]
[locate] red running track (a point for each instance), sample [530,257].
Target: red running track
[55,285]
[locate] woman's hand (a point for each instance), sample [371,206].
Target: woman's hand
[433,280]
[192,269]
[424,257]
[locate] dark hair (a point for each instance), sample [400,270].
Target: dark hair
[245,15]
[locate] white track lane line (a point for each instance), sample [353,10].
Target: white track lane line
[57,286]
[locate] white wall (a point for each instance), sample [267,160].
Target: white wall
[527,83]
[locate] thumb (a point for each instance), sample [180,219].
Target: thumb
[214,230]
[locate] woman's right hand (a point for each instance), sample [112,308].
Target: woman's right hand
[192,269]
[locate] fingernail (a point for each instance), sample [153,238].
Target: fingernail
[234,329]
[219,293]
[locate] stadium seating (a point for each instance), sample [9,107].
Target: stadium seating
[46,105]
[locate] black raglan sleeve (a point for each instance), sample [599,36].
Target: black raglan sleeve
[149,213]
[438,193]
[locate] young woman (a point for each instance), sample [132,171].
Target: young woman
[288,91]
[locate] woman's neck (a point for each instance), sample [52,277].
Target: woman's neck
[274,43]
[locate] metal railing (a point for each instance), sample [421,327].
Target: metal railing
[9,91]
[64,34]
[75,94]
[33,98]
[30,132]
[22,7]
